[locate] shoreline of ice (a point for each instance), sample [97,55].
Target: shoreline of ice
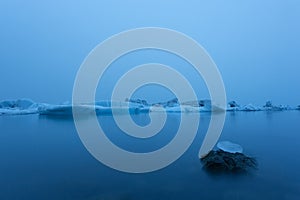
[132,106]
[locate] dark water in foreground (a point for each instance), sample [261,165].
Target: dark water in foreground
[43,158]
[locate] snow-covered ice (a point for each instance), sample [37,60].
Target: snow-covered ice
[230,147]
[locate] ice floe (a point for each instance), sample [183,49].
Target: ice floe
[230,147]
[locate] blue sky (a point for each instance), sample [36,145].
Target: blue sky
[255,44]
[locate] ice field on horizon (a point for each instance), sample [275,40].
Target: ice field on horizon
[27,106]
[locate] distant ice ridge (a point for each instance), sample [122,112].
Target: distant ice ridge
[133,106]
[18,107]
[233,106]
[175,106]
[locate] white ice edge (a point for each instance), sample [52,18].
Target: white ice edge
[230,147]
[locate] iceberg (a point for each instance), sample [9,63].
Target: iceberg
[182,109]
[133,106]
[230,147]
[270,107]
[64,110]
[137,101]
[18,107]
[108,107]
[233,106]
[204,104]
[67,110]
[20,104]
[117,110]
[171,103]
[250,107]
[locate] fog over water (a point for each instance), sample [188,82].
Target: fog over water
[254,43]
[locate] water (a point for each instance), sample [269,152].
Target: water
[43,158]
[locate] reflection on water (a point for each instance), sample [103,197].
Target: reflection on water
[140,145]
[43,158]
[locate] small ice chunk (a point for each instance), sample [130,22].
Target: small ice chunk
[233,104]
[268,104]
[230,147]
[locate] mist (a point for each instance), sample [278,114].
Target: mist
[255,45]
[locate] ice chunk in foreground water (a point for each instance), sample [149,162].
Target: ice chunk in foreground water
[230,147]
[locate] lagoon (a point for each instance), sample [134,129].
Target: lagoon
[42,157]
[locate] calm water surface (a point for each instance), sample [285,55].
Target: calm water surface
[43,158]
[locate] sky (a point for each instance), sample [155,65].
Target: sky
[254,43]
